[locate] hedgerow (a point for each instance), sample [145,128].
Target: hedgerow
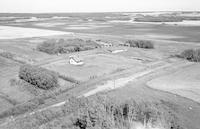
[54,46]
[140,44]
[39,77]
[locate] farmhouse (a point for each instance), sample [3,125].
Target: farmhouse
[74,60]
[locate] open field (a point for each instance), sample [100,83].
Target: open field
[114,69]
[184,82]
[8,71]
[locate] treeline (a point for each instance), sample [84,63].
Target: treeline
[55,46]
[108,113]
[140,44]
[102,112]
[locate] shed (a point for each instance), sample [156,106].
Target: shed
[104,44]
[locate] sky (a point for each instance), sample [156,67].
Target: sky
[43,6]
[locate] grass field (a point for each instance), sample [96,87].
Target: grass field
[184,82]
[95,66]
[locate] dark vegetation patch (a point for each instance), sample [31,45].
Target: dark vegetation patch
[107,113]
[101,112]
[39,77]
[190,55]
[55,46]
[140,44]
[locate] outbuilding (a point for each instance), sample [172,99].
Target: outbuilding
[104,44]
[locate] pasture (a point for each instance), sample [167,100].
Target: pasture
[94,66]
[184,82]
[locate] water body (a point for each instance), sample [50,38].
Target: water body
[9,32]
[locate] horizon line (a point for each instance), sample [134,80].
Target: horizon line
[96,12]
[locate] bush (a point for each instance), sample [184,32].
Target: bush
[107,113]
[101,112]
[191,55]
[140,44]
[39,77]
[54,46]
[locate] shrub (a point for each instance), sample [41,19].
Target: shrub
[54,46]
[39,77]
[102,112]
[107,113]
[48,47]
[188,54]
[140,44]
[191,55]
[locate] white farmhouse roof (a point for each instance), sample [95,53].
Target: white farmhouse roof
[75,58]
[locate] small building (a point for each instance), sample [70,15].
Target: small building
[118,51]
[74,60]
[125,44]
[104,44]
[121,44]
